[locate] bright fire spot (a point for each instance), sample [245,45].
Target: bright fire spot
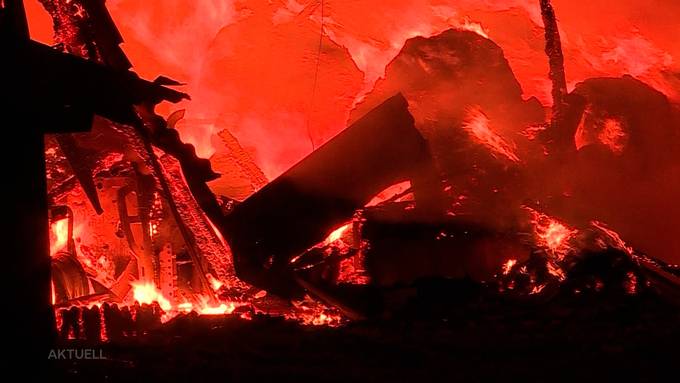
[508,266]
[147,293]
[222,308]
[59,236]
[208,308]
[477,124]
[337,233]
[185,307]
[551,233]
[613,135]
[214,282]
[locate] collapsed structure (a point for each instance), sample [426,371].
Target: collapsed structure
[482,175]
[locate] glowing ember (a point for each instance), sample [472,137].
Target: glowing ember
[551,234]
[311,312]
[147,293]
[537,289]
[479,127]
[631,283]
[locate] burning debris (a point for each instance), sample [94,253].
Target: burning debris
[445,173]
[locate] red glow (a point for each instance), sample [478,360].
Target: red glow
[250,65]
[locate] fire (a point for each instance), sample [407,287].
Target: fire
[551,234]
[215,283]
[311,312]
[147,293]
[337,233]
[206,308]
[479,127]
[59,237]
[508,266]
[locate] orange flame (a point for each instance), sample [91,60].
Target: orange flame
[337,233]
[147,293]
[215,283]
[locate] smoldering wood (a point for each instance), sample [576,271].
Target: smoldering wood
[303,205]
[82,167]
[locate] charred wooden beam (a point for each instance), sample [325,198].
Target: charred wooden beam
[553,48]
[82,168]
[302,206]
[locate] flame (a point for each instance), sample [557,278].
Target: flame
[147,293]
[215,283]
[631,283]
[337,233]
[479,127]
[59,237]
[551,234]
[220,309]
[508,266]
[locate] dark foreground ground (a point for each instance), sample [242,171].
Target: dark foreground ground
[435,337]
